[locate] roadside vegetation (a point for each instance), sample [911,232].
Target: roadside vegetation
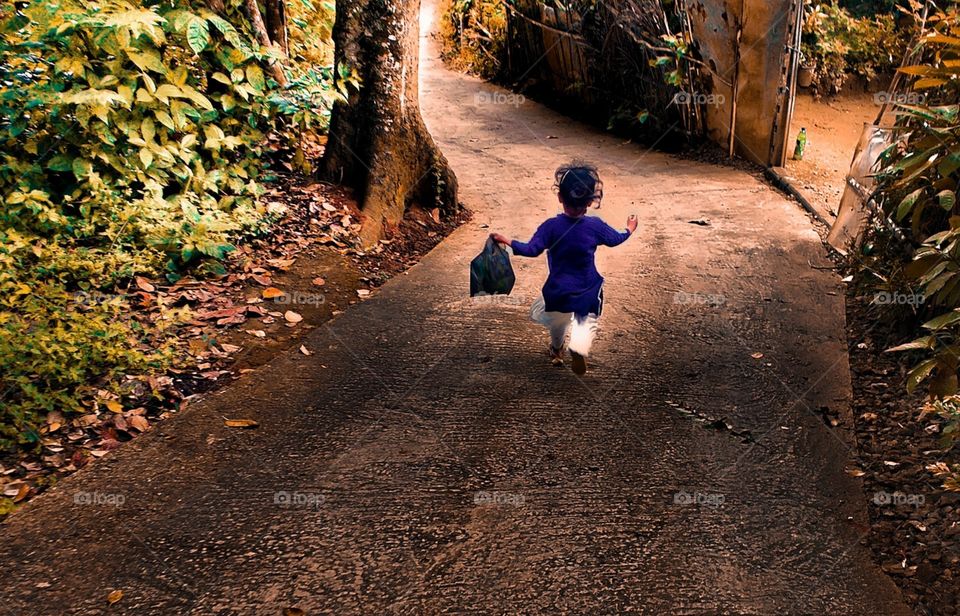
[865,40]
[912,247]
[137,140]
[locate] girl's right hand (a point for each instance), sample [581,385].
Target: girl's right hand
[632,223]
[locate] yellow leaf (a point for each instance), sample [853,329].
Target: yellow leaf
[113,406]
[240,423]
[114,596]
[166,91]
[148,129]
[929,82]
[164,118]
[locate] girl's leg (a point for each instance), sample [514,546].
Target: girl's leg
[559,324]
[585,326]
[582,333]
[581,339]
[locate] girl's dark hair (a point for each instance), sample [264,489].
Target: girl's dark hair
[578,185]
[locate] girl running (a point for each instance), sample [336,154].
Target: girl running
[573,293]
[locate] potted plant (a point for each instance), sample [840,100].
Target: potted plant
[806,73]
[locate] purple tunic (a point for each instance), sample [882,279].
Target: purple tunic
[574,284]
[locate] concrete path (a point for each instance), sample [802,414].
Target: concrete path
[428,459]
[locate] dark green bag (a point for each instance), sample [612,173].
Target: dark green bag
[491,272]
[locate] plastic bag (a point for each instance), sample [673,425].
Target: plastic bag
[491,272]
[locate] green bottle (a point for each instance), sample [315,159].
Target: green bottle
[801,145]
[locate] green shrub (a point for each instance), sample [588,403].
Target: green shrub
[474,35]
[133,141]
[838,45]
[917,183]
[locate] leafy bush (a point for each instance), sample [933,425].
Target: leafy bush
[917,184]
[838,45]
[474,35]
[133,138]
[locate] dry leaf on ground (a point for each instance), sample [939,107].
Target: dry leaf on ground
[240,423]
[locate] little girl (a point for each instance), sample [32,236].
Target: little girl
[573,293]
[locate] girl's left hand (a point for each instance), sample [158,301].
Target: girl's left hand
[496,237]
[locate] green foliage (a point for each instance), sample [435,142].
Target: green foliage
[134,134]
[474,35]
[838,44]
[917,185]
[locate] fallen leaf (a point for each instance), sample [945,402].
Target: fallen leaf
[139,423]
[229,348]
[113,406]
[85,420]
[272,292]
[280,263]
[241,423]
[318,281]
[757,355]
[144,285]
[259,333]
[21,493]
[13,488]
[293,611]
[43,585]
[292,317]
[305,350]
[114,596]
[855,472]
[435,215]
[363,292]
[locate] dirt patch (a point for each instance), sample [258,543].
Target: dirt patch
[275,289]
[833,128]
[915,524]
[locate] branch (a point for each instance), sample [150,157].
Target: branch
[260,30]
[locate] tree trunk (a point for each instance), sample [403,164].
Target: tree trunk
[378,142]
[276,16]
[252,9]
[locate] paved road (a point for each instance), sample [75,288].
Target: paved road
[428,459]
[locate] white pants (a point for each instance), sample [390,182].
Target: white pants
[562,324]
